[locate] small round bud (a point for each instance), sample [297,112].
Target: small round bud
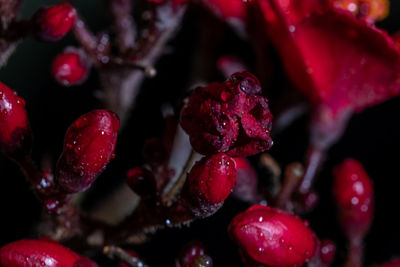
[88,147]
[70,68]
[15,133]
[354,195]
[272,237]
[209,183]
[54,22]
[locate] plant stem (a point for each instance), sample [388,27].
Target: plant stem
[315,158]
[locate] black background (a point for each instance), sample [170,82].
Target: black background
[372,137]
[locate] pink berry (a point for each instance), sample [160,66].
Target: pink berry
[354,195]
[231,117]
[15,133]
[54,22]
[88,147]
[70,68]
[272,237]
[210,182]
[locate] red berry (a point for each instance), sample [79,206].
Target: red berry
[189,254]
[353,192]
[210,182]
[70,68]
[15,133]
[54,22]
[88,147]
[142,182]
[327,251]
[37,253]
[272,237]
[231,117]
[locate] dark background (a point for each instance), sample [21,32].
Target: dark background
[372,137]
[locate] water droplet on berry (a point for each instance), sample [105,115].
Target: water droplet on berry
[250,86]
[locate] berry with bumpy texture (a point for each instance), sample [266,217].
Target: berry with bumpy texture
[54,22]
[88,147]
[272,237]
[230,117]
[354,196]
[15,133]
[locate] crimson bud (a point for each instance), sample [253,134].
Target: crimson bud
[70,68]
[15,133]
[54,22]
[209,183]
[88,147]
[39,253]
[353,192]
[272,237]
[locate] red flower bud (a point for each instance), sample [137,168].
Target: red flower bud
[230,117]
[327,251]
[189,254]
[37,253]
[88,147]
[353,192]
[209,183]
[70,68]
[142,182]
[272,237]
[54,22]
[15,133]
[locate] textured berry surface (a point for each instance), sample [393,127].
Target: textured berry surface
[272,237]
[230,117]
[88,147]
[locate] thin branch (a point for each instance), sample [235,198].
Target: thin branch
[123,24]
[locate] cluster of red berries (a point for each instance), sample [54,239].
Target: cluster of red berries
[225,122]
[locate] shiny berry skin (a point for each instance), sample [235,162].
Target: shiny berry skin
[88,147]
[189,254]
[272,237]
[231,117]
[54,22]
[70,68]
[37,253]
[327,251]
[210,182]
[142,182]
[15,133]
[354,196]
